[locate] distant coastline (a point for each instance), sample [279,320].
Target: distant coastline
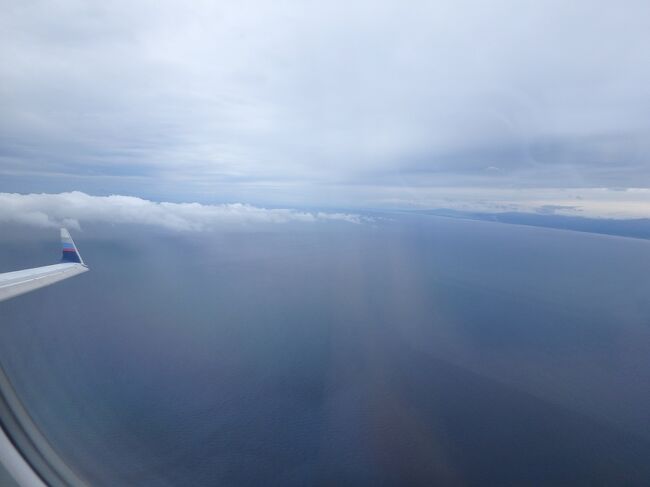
[633,228]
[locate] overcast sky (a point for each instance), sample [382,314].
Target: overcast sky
[352,104]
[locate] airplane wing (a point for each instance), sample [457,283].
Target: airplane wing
[20,282]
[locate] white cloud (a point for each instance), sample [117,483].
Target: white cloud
[75,208]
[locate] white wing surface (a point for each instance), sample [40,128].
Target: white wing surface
[20,282]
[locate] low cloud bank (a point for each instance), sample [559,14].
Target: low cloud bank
[75,208]
[613,203]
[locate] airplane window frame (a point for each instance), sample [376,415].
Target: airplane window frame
[30,443]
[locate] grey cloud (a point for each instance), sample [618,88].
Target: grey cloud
[225,95]
[594,161]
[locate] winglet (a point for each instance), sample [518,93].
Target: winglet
[70,252]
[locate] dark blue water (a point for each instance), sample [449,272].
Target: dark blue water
[418,350]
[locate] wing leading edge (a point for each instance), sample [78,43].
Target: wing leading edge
[20,282]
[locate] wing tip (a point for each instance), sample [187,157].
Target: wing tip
[70,253]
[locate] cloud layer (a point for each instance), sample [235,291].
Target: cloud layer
[75,208]
[300,102]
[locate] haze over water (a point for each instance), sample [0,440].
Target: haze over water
[411,350]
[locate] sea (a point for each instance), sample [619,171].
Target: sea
[409,349]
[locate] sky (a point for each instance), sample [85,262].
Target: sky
[499,106]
